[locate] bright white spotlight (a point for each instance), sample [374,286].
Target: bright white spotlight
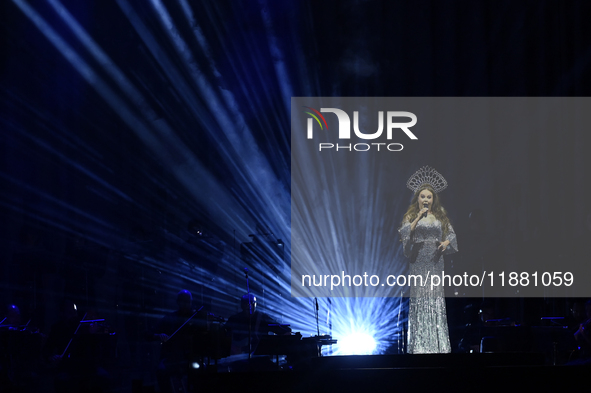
[357,344]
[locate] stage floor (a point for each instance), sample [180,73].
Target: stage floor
[446,372]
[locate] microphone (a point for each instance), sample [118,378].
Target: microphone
[425,204]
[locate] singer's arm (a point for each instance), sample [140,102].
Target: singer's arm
[413,224]
[407,235]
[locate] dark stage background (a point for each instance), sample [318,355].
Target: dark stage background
[128,124]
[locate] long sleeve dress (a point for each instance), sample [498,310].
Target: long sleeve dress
[427,318]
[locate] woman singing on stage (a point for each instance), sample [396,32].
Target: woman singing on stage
[427,235]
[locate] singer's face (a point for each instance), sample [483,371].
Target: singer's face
[425,197]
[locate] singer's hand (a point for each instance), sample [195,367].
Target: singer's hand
[443,246]
[422,212]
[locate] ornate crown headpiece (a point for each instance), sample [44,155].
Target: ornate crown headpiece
[427,175]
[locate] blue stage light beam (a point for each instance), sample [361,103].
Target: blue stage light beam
[256,187]
[253,194]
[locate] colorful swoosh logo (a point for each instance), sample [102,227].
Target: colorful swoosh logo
[315,117]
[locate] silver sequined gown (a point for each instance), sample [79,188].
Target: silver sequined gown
[427,318]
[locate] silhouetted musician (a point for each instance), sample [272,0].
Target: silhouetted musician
[178,332]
